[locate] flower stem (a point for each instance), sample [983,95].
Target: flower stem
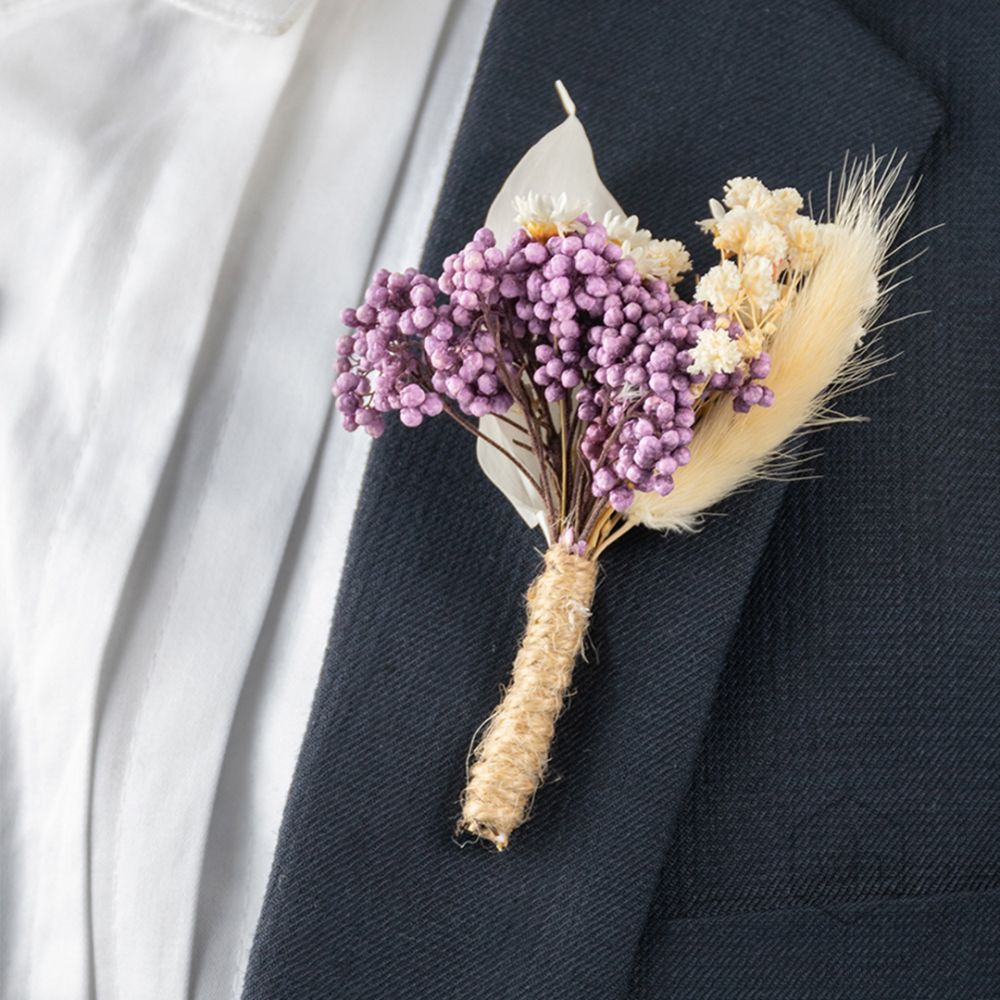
[472,429]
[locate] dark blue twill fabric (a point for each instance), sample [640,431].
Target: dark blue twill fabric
[779,777]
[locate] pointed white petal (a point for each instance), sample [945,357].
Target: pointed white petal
[560,162]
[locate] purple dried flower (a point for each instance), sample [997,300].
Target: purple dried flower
[565,323]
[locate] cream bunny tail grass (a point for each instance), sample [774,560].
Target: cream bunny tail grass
[817,353]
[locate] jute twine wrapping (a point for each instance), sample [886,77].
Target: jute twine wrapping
[512,756]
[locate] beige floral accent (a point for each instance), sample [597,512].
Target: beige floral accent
[766,249]
[765,239]
[746,192]
[757,282]
[803,243]
[720,287]
[782,206]
[715,353]
[666,260]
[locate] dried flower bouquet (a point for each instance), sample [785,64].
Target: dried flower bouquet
[601,399]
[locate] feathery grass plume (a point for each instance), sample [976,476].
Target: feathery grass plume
[817,353]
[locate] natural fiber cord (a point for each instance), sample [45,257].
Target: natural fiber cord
[512,756]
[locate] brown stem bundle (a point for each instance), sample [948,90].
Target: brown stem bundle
[512,756]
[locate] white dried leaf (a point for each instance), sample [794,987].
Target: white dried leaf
[561,162]
[506,476]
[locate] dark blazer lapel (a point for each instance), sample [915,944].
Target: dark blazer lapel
[369,895]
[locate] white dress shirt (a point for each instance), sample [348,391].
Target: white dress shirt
[189,194]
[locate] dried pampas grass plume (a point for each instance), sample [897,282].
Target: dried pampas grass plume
[817,353]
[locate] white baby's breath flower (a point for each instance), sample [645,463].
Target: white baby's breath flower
[758,284]
[744,230]
[720,287]
[803,243]
[715,353]
[666,260]
[765,240]
[733,228]
[544,215]
[784,203]
[747,192]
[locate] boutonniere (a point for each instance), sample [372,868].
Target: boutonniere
[601,398]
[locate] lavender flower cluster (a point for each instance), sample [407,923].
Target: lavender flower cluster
[571,317]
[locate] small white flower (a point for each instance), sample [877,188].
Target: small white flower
[666,260]
[626,232]
[757,282]
[715,353]
[747,192]
[765,240]
[784,203]
[543,215]
[663,259]
[720,287]
[733,228]
[803,242]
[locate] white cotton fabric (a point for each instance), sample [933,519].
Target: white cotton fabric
[189,193]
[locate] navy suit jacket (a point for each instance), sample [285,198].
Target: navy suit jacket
[779,776]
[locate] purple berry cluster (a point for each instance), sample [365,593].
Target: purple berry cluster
[469,355]
[620,343]
[639,414]
[569,320]
[743,386]
[380,365]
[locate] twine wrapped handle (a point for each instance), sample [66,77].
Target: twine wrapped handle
[512,756]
